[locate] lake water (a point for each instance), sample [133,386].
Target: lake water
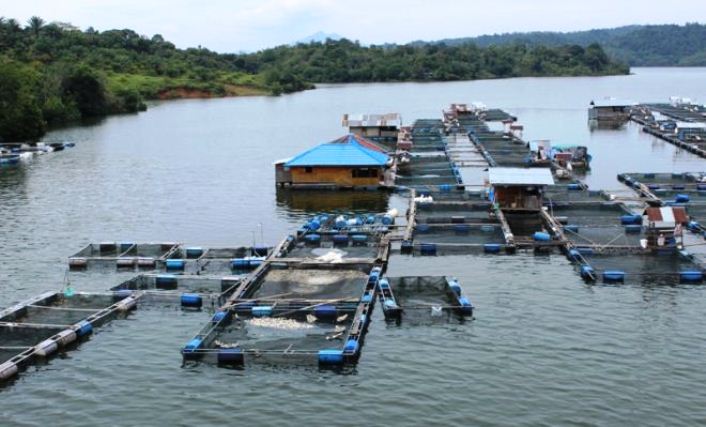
[545,348]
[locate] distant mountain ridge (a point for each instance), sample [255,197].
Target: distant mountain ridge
[319,37]
[637,45]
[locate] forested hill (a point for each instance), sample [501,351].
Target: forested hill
[345,61]
[54,73]
[637,45]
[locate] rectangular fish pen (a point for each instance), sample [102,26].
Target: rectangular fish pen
[189,291]
[423,299]
[293,316]
[599,224]
[641,268]
[51,322]
[123,255]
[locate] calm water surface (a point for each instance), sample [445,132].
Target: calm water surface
[545,348]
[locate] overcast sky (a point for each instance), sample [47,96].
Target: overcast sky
[247,25]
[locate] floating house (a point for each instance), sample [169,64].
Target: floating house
[610,110]
[347,162]
[687,131]
[378,127]
[519,189]
[664,226]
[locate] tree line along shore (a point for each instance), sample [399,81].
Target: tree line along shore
[54,73]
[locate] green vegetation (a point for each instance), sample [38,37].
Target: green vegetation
[636,45]
[55,73]
[345,61]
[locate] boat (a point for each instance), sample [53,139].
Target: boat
[573,156]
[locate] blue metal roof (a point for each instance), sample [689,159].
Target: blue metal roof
[346,151]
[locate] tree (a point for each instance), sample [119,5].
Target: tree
[85,87]
[35,24]
[20,115]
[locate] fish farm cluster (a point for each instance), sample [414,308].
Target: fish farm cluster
[473,185]
[13,152]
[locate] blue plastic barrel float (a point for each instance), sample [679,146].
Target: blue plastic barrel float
[326,311]
[340,239]
[427,249]
[230,357]
[240,263]
[193,252]
[466,308]
[407,247]
[175,264]
[165,281]
[351,346]
[587,272]
[540,236]
[220,315]
[331,357]
[613,276]
[84,328]
[422,228]
[462,228]
[312,239]
[573,187]
[691,276]
[681,198]
[191,300]
[190,350]
[261,310]
[492,248]
[455,287]
[631,219]
[678,187]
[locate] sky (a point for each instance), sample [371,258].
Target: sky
[249,25]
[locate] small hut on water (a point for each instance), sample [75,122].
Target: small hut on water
[347,162]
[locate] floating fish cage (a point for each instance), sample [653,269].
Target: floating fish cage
[572,193]
[639,267]
[600,224]
[52,322]
[189,291]
[223,261]
[276,327]
[442,212]
[333,247]
[666,180]
[440,193]
[423,299]
[327,281]
[236,340]
[474,234]
[123,255]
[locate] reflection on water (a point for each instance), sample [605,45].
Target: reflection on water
[317,201]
